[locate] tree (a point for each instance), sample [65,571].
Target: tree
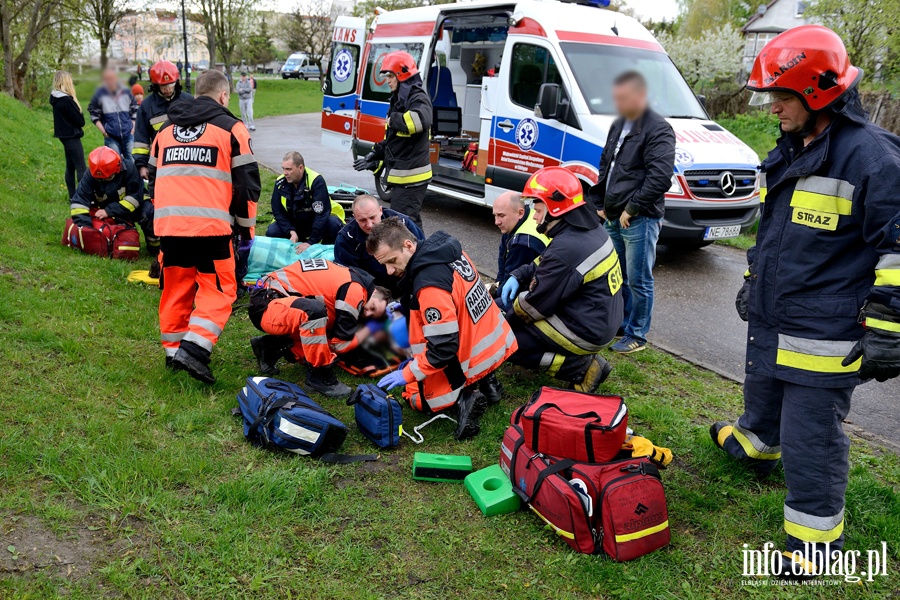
[711,57]
[701,16]
[866,26]
[259,48]
[102,17]
[310,28]
[21,24]
[224,22]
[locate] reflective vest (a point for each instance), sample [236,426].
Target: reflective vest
[828,241]
[520,247]
[457,334]
[202,176]
[344,292]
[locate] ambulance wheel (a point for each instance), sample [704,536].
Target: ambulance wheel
[283,76]
[303,77]
[382,187]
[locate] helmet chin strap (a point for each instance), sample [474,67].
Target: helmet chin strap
[810,126]
[545,227]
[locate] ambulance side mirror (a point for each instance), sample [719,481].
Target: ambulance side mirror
[547,105]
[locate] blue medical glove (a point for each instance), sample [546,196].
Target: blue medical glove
[374,326]
[392,380]
[392,308]
[510,289]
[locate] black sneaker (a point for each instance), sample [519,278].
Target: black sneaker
[155,269]
[491,388]
[470,407]
[268,349]
[169,364]
[323,380]
[596,373]
[182,361]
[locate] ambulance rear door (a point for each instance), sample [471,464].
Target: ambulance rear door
[340,100]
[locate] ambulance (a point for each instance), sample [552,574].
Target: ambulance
[523,85]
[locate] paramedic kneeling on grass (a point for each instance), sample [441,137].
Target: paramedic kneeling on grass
[457,334]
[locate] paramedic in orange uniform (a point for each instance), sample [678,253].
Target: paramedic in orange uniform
[204,181]
[457,334]
[312,311]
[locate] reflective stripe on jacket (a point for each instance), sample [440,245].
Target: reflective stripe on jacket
[344,292]
[456,331]
[120,197]
[405,148]
[828,241]
[520,247]
[151,116]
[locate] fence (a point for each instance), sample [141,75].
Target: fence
[883,109]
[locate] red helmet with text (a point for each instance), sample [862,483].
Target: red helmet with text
[556,187]
[163,72]
[810,62]
[400,63]
[104,162]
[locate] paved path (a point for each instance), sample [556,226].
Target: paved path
[694,315]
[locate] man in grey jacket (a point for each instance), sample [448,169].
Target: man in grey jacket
[244,89]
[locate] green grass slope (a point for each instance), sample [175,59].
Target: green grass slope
[120,479]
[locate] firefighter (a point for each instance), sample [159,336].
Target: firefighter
[404,152]
[164,89]
[457,334]
[520,242]
[350,245]
[301,206]
[114,188]
[203,180]
[572,302]
[311,310]
[822,292]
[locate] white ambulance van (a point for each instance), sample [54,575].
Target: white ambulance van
[527,85]
[298,66]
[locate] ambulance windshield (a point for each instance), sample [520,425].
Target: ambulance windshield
[596,66]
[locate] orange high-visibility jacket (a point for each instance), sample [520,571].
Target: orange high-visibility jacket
[344,292]
[456,331]
[203,176]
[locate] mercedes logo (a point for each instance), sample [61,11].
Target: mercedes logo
[727,183]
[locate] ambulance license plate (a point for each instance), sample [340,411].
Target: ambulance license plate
[718,233]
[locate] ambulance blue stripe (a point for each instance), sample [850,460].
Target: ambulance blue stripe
[334,103]
[374,109]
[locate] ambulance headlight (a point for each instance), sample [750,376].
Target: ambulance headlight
[675,189]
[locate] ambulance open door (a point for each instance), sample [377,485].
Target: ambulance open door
[340,99]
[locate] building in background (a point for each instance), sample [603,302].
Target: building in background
[155,34]
[770,20]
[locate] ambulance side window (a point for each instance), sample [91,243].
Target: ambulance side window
[375,86]
[531,67]
[343,71]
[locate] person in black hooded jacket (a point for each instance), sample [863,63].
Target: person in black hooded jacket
[404,152]
[68,127]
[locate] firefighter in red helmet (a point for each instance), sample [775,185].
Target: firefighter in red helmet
[165,88]
[822,292]
[404,152]
[571,302]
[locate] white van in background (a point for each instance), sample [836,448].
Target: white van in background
[298,66]
[528,84]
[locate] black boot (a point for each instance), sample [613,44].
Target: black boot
[596,373]
[268,349]
[195,361]
[323,380]
[155,269]
[491,388]
[471,405]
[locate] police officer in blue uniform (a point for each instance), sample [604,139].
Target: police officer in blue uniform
[301,205]
[822,293]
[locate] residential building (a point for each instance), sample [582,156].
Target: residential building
[770,20]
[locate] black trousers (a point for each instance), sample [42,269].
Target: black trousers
[74,162]
[408,200]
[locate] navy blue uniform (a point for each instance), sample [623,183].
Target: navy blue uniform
[304,208]
[519,247]
[350,249]
[827,243]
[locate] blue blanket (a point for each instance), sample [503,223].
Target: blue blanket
[270,254]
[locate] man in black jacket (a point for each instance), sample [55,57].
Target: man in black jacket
[635,172]
[404,152]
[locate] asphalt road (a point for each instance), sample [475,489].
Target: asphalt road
[694,315]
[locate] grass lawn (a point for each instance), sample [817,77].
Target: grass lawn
[273,96]
[121,479]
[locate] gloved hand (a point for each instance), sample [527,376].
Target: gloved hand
[392,308]
[510,290]
[374,326]
[742,300]
[244,246]
[392,380]
[368,163]
[879,347]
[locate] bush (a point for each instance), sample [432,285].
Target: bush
[708,59]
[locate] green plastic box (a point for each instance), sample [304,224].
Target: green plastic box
[492,491]
[441,467]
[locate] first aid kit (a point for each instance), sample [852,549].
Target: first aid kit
[576,425]
[278,414]
[618,507]
[104,238]
[378,415]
